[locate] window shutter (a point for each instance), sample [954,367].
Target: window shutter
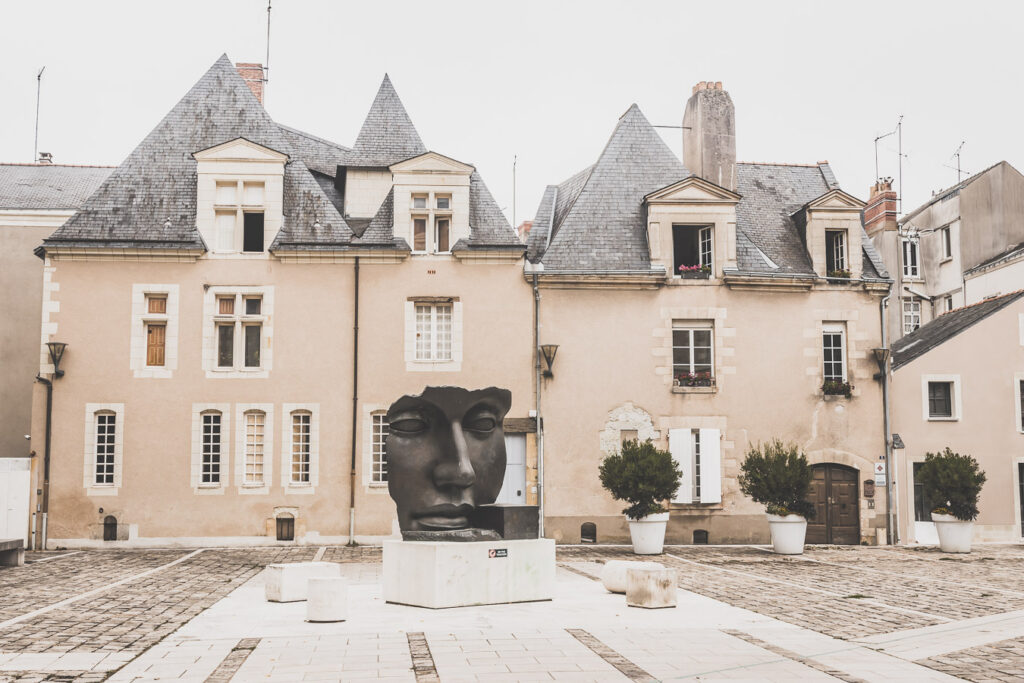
[710,466]
[680,446]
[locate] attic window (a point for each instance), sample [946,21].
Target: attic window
[692,248]
[252,239]
[239,216]
[835,252]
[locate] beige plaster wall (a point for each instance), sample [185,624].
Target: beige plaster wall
[614,358]
[989,427]
[312,319]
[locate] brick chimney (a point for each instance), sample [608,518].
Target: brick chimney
[880,213]
[709,134]
[252,74]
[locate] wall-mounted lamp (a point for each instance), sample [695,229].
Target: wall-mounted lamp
[549,351]
[56,353]
[882,358]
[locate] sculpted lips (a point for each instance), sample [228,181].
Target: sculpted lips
[442,517]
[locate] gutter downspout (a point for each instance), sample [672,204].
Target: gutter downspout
[539,420]
[355,408]
[891,532]
[46,454]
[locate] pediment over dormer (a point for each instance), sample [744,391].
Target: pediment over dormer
[431,162]
[239,149]
[835,200]
[692,190]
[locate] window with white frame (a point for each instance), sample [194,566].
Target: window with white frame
[911,314]
[239,209]
[105,442]
[940,399]
[911,267]
[433,331]
[379,452]
[154,330]
[947,243]
[300,447]
[833,343]
[693,353]
[212,435]
[693,248]
[947,303]
[255,427]
[431,223]
[238,321]
[698,452]
[835,252]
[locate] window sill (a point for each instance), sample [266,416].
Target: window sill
[304,489]
[695,390]
[943,419]
[208,490]
[945,259]
[828,398]
[695,507]
[101,490]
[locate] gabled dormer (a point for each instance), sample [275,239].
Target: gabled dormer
[239,194]
[830,228]
[691,228]
[431,202]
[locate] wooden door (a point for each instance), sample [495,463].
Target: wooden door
[836,501]
[155,345]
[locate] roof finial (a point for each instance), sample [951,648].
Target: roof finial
[167,223]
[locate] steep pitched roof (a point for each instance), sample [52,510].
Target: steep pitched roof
[150,199]
[48,186]
[310,219]
[487,224]
[537,239]
[604,226]
[322,156]
[945,327]
[381,229]
[387,135]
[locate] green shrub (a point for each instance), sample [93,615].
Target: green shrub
[641,475]
[777,475]
[954,482]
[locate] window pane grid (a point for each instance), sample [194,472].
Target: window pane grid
[705,246]
[691,354]
[300,448]
[433,332]
[211,448]
[832,345]
[380,456]
[940,399]
[911,315]
[696,465]
[106,435]
[254,431]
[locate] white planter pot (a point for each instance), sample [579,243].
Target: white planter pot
[648,533]
[954,534]
[788,534]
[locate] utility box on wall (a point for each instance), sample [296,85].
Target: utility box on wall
[869,488]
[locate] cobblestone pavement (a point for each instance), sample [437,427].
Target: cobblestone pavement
[104,608]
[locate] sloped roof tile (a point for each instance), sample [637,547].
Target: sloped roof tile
[48,186]
[387,135]
[322,156]
[487,224]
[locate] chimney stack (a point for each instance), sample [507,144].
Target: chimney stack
[45,158]
[252,74]
[709,134]
[880,213]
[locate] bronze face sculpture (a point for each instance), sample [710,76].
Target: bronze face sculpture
[446,457]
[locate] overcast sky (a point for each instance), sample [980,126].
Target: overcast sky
[547,81]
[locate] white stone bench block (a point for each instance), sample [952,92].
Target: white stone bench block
[613,574]
[288,582]
[328,599]
[652,588]
[12,552]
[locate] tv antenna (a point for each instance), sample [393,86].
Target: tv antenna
[957,155]
[266,62]
[39,88]
[898,132]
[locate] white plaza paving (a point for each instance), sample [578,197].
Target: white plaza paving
[527,642]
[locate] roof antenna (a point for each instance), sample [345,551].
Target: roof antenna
[898,132]
[957,155]
[266,62]
[39,87]
[515,157]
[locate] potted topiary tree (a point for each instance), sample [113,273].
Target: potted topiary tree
[956,481]
[643,476]
[777,475]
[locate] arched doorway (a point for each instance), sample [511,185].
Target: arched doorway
[110,528]
[836,505]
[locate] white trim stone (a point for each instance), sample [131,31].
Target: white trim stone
[268,448]
[89,474]
[141,316]
[196,465]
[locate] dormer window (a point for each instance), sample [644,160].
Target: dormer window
[836,264]
[444,202]
[431,223]
[693,248]
[419,201]
[239,208]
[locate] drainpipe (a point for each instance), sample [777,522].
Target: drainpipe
[46,454]
[539,420]
[891,534]
[355,408]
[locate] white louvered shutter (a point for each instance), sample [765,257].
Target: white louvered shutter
[681,448]
[710,466]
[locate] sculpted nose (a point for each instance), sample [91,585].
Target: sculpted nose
[456,469]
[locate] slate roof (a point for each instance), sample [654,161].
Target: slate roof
[597,219]
[945,327]
[387,135]
[150,199]
[48,186]
[322,156]
[487,224]
[603,227]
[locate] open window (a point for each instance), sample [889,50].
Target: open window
[692,249]
[836,263]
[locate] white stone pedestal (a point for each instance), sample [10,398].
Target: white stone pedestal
[439,574]
[328,599]
[613,573]
[288,582]
[651,588]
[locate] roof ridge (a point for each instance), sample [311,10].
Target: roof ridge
[781,163]
[983,301]
[38,165]
[317,138]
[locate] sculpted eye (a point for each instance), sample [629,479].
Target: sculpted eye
[409,425]
[482,424]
